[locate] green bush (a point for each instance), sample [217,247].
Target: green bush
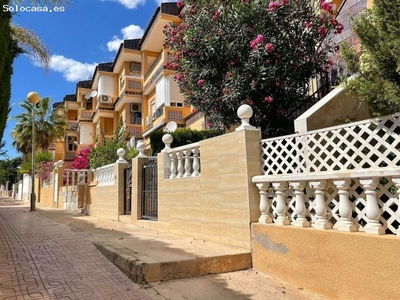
[181,137]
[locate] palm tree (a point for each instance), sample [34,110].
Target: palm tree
[28,41]
[15,40]
[49,123]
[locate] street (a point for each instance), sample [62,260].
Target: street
[42,259]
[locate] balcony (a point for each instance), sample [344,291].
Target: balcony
[72,125]
[130,87]
[103,109]
[156,70]
[69,155]
[85,115]
[171,113]
[134,130]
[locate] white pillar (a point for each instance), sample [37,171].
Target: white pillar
[173,165]
[300,207]
[196,162]
[280,199]
[320,205]
[264,203]
[345,209]
[373,212]
[188,165]
[179,157]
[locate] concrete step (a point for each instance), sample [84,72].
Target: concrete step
[142,272]
[149,256]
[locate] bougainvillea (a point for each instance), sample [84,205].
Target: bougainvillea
[45,171]
[262,53]
[81,160]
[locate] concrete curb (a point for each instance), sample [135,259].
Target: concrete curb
[142,272]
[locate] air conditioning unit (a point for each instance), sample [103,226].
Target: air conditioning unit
[135,107]
[149,121]
[105,99]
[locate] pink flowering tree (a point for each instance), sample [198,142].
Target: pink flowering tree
[261,53]
[81,160]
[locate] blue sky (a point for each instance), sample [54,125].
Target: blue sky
[88,32]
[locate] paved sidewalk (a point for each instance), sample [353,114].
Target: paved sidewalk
[49,254]
[41,259]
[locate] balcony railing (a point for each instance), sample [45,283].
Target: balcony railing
[134,130]
[171,113]
[85,115]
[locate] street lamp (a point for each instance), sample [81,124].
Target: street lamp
[33,98]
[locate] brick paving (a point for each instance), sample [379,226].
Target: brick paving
[42,259]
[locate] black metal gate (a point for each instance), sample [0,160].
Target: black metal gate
[149,190]
[127,189]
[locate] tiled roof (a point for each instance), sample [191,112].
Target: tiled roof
[70,97]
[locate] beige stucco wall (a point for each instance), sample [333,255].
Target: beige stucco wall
[46,197]
[334,264]
[107,202]
[220,204]
[332,110]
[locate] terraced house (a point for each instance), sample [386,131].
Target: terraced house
[137,88]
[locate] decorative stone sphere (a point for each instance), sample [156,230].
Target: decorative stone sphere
[167,138]
[141,146]
[121,152]
[245,111]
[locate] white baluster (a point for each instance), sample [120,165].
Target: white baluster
[300,207]
[373,212]
[173,165]
[280,199]
[345,209]
[68,177]
[179,157]
[396,181]
[264,203]
[196,161]
[73,174]
[320,205]
[188,166]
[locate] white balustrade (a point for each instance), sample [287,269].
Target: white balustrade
[184,160]
[105,175]
[344,177]
[73,176]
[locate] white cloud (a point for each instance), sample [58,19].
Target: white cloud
[129,32]
[71,69]
[131,4]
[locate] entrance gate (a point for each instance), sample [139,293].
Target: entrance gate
[149,190]
[127,189]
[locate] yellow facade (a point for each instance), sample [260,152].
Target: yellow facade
[133,88]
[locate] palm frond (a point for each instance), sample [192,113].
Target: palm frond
[31,44]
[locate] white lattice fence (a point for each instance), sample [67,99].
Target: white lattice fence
[369,144]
